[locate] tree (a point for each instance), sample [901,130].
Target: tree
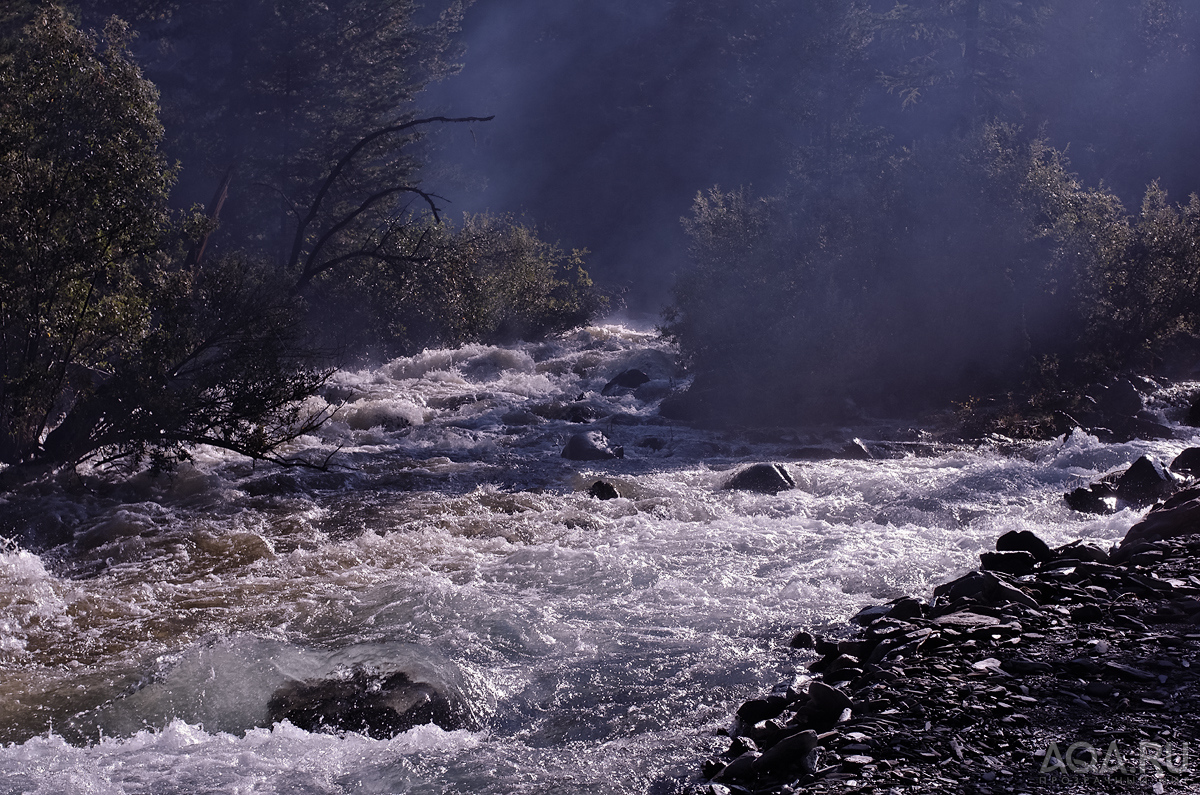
[962,59]
[104,336]
[274,95]
[224,362]
[82,204]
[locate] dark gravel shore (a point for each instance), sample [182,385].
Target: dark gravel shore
[1067,670]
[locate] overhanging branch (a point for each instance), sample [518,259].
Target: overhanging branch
[346,160]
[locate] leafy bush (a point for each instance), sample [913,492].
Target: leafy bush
[492,279]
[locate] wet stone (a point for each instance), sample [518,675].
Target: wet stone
[1187,462]
[629,379]
[1087,614]
[765,478]
[984,667]
[761,709]
[1024,541]
[590,447]
[1129,672]
[379,705]
[1018,562]
[603,490]
[802,640]
[828,699]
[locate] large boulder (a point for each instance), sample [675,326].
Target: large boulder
[590,446]
[1146,481]
[1179,515]
[379,705]
[1119,398]
[766,478]
[1024,541]
[1187,462]
[1193,415]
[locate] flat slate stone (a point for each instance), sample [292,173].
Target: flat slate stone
[965,618]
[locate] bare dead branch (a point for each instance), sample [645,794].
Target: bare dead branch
[344,162]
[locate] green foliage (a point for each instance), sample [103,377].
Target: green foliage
[491,279]
[963,57]
[956,271]
[223,363]
[105,338]
[15,15]
[82,201]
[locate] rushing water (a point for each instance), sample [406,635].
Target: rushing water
[600,644]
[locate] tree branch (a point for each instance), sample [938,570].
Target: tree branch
[311,270]
[344,162]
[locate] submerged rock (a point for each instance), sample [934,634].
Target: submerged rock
[1099,498]
[603,490]
[377,705]
[766,478]
[590,446]
[630,379]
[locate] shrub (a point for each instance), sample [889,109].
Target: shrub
[492,279]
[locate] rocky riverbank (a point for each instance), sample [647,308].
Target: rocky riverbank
[1067,670]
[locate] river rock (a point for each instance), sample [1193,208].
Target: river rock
[629,379]
[1077,550]
[738,769]
[1099,498]
[1179,515]
[766,478]
[1187,462]
[603,490]
[1016,562]
[790,751]
[827,700]
[591,446]
[377,705]
[1024,541]
[1145,481]
[1119,398]
[1108,649]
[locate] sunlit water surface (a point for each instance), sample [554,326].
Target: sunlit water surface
[598,644]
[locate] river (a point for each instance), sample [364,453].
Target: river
[145,622]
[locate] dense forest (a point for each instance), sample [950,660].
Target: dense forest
[933,240]
[138,319]
[207,206]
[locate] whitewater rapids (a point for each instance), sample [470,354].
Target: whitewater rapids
[144,623]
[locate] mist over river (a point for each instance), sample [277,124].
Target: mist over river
[598,644]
